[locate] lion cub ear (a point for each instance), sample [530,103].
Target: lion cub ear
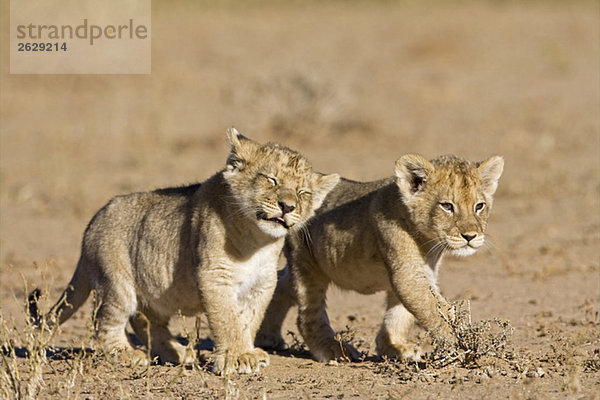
[490,171]
[242,150]
[412,171]
[322,185]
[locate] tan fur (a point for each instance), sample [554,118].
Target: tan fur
[211,247]
[386,235]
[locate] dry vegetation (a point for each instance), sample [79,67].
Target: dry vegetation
[352,86]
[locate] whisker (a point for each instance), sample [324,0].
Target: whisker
[436,248]
[307,237]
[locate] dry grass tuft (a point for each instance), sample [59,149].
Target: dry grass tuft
[25,380]
[472,340]
[31,367]
[297,346]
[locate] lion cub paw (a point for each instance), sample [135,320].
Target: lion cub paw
[245,363]
[403,351]
[335,350]
[175,353]
[131,357]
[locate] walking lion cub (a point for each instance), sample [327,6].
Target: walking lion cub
[386,235]
[211,247]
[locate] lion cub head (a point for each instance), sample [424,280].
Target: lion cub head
[273,185]
[449,199]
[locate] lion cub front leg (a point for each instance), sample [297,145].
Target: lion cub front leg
[392,339]
[313,322]
[417,290]
[284,298]
[234,349]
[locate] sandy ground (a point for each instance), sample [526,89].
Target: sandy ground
[352,86]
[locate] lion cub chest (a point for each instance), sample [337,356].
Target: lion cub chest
[257,272]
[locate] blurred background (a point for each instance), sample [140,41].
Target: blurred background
[352,85]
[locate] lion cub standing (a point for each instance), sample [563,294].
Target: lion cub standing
[210,247]
[386,235]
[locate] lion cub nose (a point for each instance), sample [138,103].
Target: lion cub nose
[469,236]
[285,207]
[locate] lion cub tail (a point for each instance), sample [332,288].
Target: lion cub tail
[70,300]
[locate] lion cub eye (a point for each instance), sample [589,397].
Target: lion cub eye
[304,192]
[479,207]
[448,207]
[272,180]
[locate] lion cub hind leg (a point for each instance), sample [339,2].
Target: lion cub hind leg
[392,339]
[115,308]
[313,321]
[163,343]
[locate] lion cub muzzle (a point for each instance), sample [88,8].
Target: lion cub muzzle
[282,212]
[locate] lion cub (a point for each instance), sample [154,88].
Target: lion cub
[211,247]
[386,235]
